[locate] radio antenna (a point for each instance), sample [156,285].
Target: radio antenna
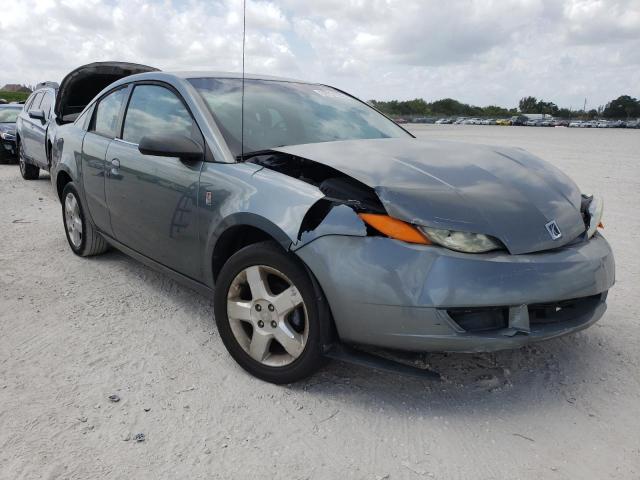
[244,36]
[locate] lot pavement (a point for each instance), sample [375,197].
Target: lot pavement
[74,331]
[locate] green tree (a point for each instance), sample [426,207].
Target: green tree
[528,105]
[624,106]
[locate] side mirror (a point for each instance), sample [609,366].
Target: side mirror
[37,114]
[171,145]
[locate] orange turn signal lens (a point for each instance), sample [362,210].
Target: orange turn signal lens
[394,228]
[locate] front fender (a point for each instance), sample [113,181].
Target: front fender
[232,194]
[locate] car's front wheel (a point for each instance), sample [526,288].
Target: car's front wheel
[82,236]
[268,314]
[28,171]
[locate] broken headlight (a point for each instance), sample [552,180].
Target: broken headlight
[7,135]
[594,210]
[462,241]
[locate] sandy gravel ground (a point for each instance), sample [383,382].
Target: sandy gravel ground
[74,331]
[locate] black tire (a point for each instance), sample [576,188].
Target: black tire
[270,254]
[28,171]
[91,242]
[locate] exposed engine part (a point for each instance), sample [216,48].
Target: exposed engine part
[339,189]
[336,186]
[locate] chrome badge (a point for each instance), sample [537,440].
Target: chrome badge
[554,231]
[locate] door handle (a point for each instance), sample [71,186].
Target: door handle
[115,165]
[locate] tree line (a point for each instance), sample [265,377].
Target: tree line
[623,107]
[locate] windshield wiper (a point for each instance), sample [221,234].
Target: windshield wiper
[256,153]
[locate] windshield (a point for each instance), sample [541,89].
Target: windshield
[9,115]
[279,113]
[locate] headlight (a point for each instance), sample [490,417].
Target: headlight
[462,241]
[394,228]
[595,209]
[7,136]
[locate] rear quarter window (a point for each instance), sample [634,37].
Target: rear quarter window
[108,113]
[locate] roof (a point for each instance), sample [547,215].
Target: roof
[249,76]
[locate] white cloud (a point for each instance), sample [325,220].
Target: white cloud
[482,51]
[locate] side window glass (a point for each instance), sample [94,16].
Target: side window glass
[108,111]
[27,104]
[35,105]
[154,110]
[45,106]
[83,120]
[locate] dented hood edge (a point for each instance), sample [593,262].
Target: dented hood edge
[503,192]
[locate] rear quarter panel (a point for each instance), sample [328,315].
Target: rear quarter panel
[66,153]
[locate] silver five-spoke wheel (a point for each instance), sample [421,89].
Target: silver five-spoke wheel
[267,316]
[72,220]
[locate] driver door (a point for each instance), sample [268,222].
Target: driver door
[151,199]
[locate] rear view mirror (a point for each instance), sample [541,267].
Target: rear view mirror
[171,145]
[37,114]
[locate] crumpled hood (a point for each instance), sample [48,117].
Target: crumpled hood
[503,192]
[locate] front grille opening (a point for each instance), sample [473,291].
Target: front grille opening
[554,312]
[480,319]
[484,319]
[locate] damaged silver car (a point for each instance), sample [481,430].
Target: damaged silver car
[316,221]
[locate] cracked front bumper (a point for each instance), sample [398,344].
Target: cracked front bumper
[391,294]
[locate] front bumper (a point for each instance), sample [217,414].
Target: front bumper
[391,294]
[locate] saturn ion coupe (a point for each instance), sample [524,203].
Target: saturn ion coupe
[314,221]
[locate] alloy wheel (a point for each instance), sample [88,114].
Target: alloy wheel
[267,316]
[72,220]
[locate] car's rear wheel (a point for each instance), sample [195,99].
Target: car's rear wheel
[267,313]
[28,171]
[82,236]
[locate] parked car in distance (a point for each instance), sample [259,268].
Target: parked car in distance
[298,228]
[519,120]
[33,131]
[8,116]
[503,121]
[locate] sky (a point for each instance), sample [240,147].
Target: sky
[482,52]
